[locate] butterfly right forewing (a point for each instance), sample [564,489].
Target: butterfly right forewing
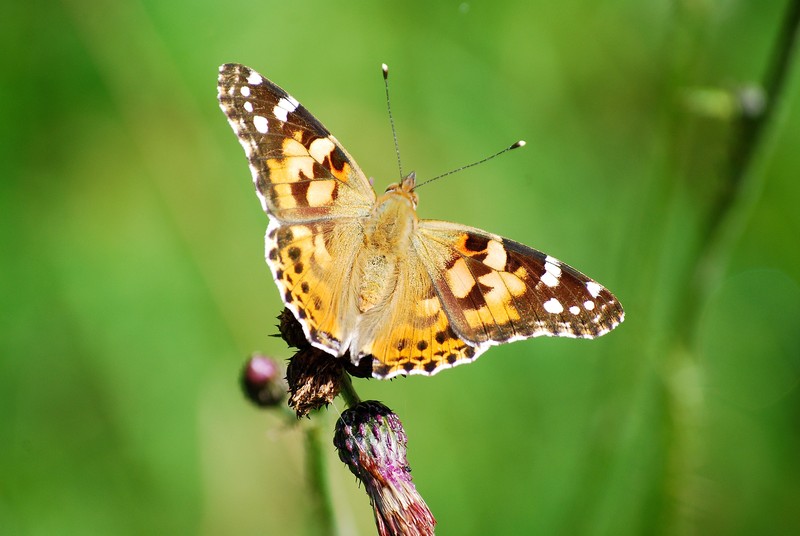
[301,172]
[315,196]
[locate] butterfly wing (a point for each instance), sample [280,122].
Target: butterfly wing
[460,290]
[301,172]
[310,263]
[312,190]
[410,333]
[463,290]
[495,290]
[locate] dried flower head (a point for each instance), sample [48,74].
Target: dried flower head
[314,379]
[372,443]
[291,331]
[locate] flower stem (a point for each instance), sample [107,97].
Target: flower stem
[347,391]
[319,487]
[322,502]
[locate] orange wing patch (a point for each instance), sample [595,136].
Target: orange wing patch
[412,334]
[310,281]
[298,168]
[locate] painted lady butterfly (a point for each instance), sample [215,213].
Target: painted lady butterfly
[363,275]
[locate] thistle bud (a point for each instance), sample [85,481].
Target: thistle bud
[261,381]
[372,443]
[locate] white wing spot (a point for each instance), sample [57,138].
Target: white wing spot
[320,193]
[575,309]
[245,91]
[552,271]
[552,266]
[460,279]
[289,104]
[553,306]
[292,103]
[549,279]
[248,106]
[280,113]
[254,79]
[588,305]
[285,104]
[261,124]
[593,288]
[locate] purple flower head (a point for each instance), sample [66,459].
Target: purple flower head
[372,443]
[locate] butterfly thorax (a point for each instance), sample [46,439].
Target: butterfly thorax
[387,238]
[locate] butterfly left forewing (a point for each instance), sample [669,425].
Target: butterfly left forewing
[495,290]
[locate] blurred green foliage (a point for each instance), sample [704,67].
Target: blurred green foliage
[132,279]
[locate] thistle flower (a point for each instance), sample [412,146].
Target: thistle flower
[372,443]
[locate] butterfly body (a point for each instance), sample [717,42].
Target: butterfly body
[365,277]
[388,236]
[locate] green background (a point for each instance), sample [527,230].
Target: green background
[133,285]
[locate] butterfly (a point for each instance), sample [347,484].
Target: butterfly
[365,277]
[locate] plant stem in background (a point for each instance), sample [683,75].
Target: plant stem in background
[758,108]
[318,486]
[741,183]
[316,464]
[752,124]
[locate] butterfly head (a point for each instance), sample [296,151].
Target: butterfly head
[405,189]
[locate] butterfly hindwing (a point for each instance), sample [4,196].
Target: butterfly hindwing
[310,263]
[301,172]
[410,333]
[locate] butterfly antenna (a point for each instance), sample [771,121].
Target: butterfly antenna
[385,69]
[520,143]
